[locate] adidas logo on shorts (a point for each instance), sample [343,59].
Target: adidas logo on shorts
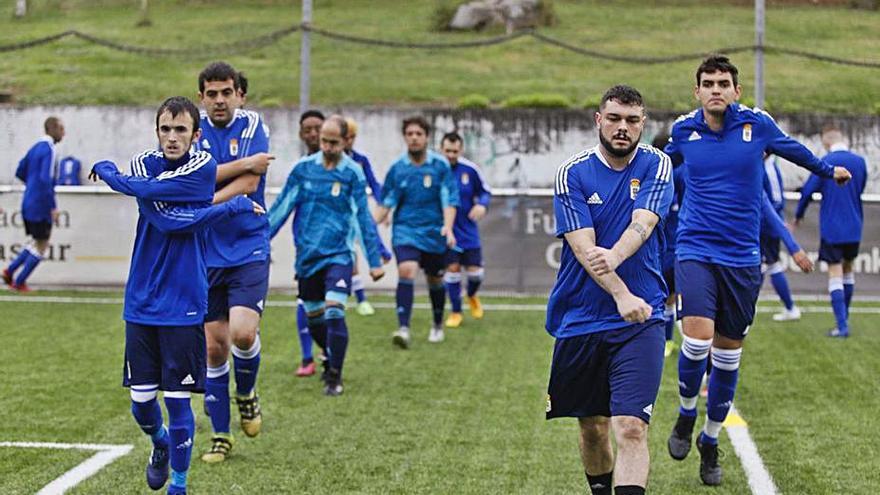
[341,284]
[188,380]
[648,409]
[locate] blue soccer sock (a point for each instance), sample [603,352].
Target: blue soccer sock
[838,303]
[247,366]
[437,292]
[722,387]
[780,285]
[691,368]
[337,336]
[147,413]
[474,279]
[30,264]
[405,295]
[849,286]
[318,330]
[453,287]
[217,397]
[302,331]
[357,286]
[19,260]
[181,430]
[669,319]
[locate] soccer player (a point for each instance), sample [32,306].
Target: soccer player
[773,187]
[840,223]
[606,308]
[718,261]
[237,256]
[37,171]
[669,226]
[328,192]
[310,123]
[68,172]
[421,189]
[166,296]
[474,195]
[364,308]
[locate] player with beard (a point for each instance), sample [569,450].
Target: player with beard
[606,308]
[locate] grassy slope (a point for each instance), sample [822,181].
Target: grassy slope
[464,417]
[73,71]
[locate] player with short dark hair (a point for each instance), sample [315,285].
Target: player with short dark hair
[237,255]
[166,296]
[328,192]
[840,223]
[474,194]
[718,258]
[38,208]
[606,308]
[421,189]
[310,123]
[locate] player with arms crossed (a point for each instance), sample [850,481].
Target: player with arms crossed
[328,192]
[237,255]
[166,296]
[606,308]
[718,259]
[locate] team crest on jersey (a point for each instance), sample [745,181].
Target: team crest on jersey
[233,147]
[747,133]
[426,181]
[465,179]
[634,186]
[336,189]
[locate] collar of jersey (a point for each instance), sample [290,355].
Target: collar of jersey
[838,147]
[601,157]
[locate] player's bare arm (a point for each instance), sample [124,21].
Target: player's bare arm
[604,260]
[632,308]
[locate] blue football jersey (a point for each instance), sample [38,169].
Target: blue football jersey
[473,190]
[68,171]
[326,202]
[840,214]
[372,182]
[720,216]
[244,238]
[418,194]
[168,278]
[590,194]
[37,171]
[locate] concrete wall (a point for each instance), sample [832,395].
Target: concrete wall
[537,140]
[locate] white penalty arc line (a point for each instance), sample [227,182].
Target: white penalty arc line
[389,305]
[105,455]
[760,481]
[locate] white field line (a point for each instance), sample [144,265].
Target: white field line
[105,455]
[389,305]
[759,478]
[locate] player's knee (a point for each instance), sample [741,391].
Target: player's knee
[631,430]
[454,268]
[334,312]
[435,283]
[314,310]
[594,431]
[452,277]
[246,345]
[143,394]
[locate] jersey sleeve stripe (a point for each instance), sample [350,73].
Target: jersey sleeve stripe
[199,160]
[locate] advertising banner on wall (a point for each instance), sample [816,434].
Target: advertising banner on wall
[91,243]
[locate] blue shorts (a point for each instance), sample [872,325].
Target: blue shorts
[434,264]
[333,278]
[172,357]
[244,285]
[724,294]
[769,249]
[836,253]
[466,257]
[611,373]
[40,231]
